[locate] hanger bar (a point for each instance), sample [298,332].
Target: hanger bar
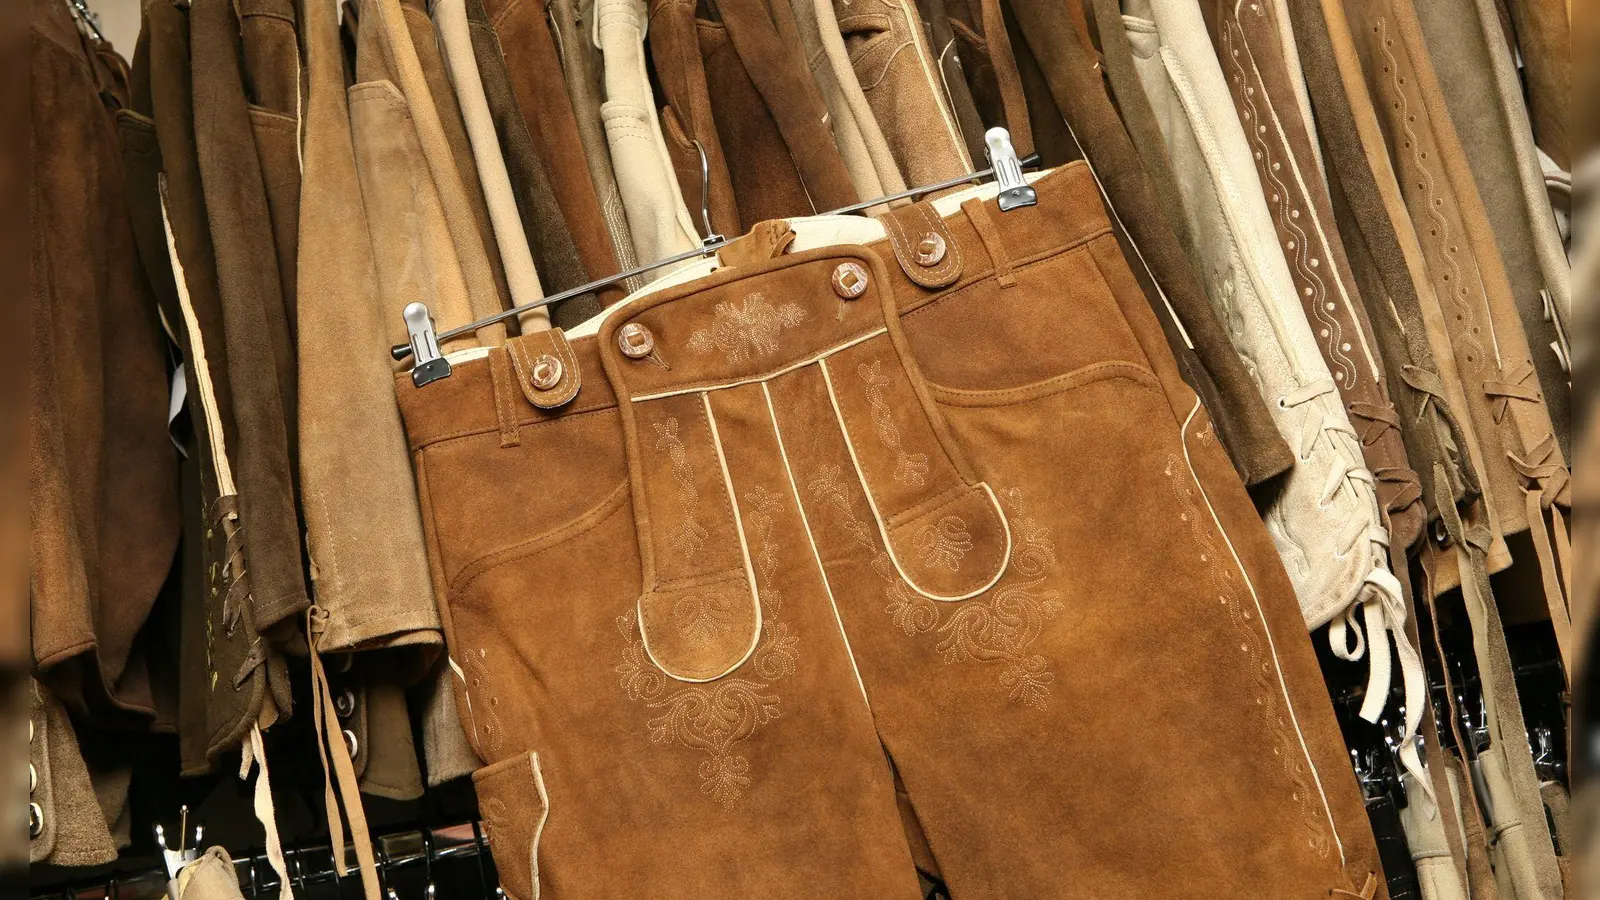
[715,242]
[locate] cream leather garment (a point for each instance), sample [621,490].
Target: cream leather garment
[860,142]
[1437,875]
[1325,520]
[657,216]
[450,19]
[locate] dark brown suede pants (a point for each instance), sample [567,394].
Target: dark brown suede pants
[848,503]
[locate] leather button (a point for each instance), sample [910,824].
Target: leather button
[33,778]
[344,704]
[849,280]
[930,250]
[350,743]
[635,341]
[35,820]
[546,372]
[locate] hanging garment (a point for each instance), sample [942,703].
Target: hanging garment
[559,264]
[66,826]
[737,89]
[954,91]
[211,877]
[749,571]
[657,216]
[259,348]
[1078,98]
[507,235]
[219,642]
[879,47]
[534,68]
[270,54]
[1544,43]
[102,486]
[983,53]
[1484,97]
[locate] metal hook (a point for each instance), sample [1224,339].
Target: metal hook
[112,888]
[427,859]
[711,237]
[298,858]
[255,877]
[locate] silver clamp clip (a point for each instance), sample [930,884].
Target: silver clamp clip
[185,853]
[1014,189]
[428,364]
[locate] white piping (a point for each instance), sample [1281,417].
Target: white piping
[1267,630]
[883,531]
[810,539]
[749,568]
[538,830]
[762,379]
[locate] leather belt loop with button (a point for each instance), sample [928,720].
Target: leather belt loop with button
[546,367]
[923,245]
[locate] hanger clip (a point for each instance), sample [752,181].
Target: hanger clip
[428,364]
[1014,189]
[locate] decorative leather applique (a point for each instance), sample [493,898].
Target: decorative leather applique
[909,468]
[714,718]
[1225,592]
[748,329]
[998,627]
[690,535]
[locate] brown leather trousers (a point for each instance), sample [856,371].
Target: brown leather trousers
[786,531]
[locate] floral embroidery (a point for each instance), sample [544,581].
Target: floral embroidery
[999,627]
[714,718]
[702,616]
[942,545]
[1225,590]
[909,468]
[747,330]
[689,536]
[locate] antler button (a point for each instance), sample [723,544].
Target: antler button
[635,341]
[930,250]
[849,280]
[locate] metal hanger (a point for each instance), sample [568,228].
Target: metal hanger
[429,364]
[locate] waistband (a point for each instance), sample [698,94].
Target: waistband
[714,325]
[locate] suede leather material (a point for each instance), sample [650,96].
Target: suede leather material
[211,877]
[73,829]
[219,641]
[1078,94]
[956,93]
[271,56]
[1261,80]
[657,217]
[855,130]
[884,47]
[751,449]
[989,63]
[418,17]
[580,63]
[1544,37]
[746,96]
[255,326]
[534,69]
[102,475]
[1484,98]
[555,253]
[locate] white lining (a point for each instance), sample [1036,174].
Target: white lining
[1265,628]
[749,568]
[538,830]
[811,539]
[883,530]
[762,379]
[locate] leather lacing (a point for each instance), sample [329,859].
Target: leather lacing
[331,743]
[1545,481]
[1380,603]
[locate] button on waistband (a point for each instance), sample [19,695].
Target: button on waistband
[849,280]
[546,373]
[635,340]
[931,249]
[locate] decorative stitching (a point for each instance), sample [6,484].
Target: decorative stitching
[490,727]
[715,717]
[909,468]
[1225,591]
[748,330]
[944,543]
[690,535]
[1000,627]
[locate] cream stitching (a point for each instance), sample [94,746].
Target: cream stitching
[909,468]
[943,544]
[690,535]
[749,330]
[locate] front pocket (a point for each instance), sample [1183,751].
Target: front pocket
[515,806]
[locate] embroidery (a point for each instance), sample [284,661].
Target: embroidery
[714,718]
[747,330]
[909,468]
[944,544]
[1225,590]
[690,536]
[1284,213]
[1426,182]
[489,725]
[701,617]
[1001,626]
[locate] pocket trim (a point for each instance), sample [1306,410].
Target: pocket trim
[1085,376]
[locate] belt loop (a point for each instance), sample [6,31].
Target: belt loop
[506,396]
[978,215]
